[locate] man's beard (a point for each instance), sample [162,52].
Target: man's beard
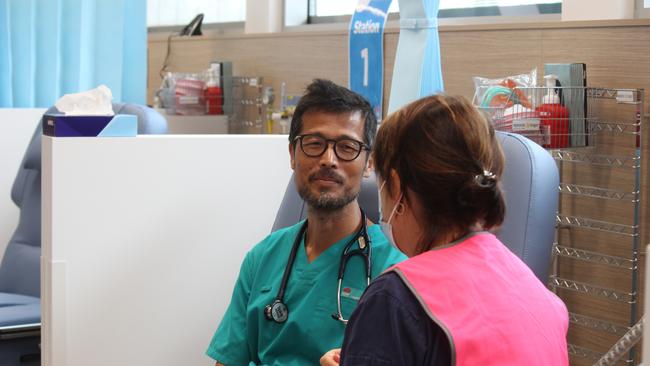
[326,202]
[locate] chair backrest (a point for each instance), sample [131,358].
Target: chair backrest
[530,182]
[150,122]
[20,268]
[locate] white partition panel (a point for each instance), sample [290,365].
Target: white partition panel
[143,238]
[16,128]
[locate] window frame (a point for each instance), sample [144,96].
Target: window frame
[291,8]
[467,13]
[211,27]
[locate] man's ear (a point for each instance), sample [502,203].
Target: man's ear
[370,166]
[292,155]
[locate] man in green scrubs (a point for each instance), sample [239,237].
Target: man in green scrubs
[331,133]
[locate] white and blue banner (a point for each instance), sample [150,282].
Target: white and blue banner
[418,71]
[366,51]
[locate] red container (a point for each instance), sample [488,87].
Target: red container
[213,100]
[554,125]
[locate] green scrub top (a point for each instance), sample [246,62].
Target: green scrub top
[246,337]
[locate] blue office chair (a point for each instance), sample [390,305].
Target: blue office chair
[530,182]
[531,185]
[20,269]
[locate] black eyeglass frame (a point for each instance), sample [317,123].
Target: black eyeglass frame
[362,145]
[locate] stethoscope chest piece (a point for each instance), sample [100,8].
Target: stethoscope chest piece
[278,312]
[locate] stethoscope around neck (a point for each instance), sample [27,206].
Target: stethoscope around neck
[278,310]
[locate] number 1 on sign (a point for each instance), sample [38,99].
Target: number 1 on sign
[364,56]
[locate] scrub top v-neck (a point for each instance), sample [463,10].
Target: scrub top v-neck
[245,336]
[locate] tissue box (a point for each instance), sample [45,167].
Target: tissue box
[119,125]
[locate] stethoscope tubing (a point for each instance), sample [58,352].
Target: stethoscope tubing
[362,234]
[347,254]
[292,258]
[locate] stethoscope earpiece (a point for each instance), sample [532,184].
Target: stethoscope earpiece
[338,317]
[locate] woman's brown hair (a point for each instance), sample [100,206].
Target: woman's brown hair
[446,154]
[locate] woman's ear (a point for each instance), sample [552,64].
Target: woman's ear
[395,183]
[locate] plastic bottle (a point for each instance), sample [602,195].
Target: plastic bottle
[213,95]
[554,117]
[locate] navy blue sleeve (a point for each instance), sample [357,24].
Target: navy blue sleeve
[390,327]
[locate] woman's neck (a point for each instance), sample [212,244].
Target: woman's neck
[456,235]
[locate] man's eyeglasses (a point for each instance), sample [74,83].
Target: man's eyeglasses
[345,149]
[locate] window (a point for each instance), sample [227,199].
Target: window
[180,12]
[448,8]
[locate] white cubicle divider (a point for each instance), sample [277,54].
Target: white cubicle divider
[143,238]
[16,128]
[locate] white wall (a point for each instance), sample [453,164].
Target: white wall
[264,16]
[16,129]
[597,9]
[143,238]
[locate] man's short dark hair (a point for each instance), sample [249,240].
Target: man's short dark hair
[325,96]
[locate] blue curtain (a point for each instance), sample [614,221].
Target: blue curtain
[53,47]
[417,71]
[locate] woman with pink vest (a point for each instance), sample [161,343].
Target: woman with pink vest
[462,298]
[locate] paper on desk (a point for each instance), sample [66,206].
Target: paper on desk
[94,102]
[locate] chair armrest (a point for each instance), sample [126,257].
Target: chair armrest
[20,331]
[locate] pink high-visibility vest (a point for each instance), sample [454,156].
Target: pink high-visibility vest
[491,306]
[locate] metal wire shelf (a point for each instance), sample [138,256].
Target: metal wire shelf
[596,192]
[622,96]
[603,292]
[594,257]
[598,324]
[591,355]
[598,160]
[590,224]
[579,126]
[584,352]
[614,127]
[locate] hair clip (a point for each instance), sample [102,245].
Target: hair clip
[485,180]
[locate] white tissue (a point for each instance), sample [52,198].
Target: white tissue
[94,102]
